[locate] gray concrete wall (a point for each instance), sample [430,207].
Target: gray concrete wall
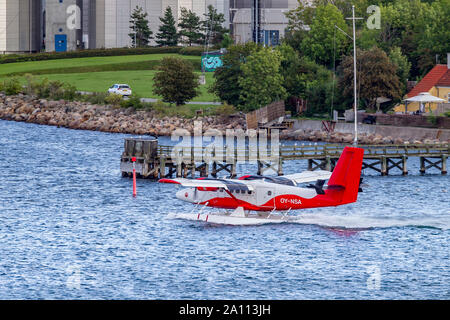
[100,24]
[88,24]
[20,22]
[56,24]
[3,23]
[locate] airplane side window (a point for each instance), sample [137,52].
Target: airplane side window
[269,193]
[249,191]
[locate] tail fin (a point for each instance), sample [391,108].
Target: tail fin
[346,176]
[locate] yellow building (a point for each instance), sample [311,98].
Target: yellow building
[436,82]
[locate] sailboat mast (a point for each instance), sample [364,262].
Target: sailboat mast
[355,141]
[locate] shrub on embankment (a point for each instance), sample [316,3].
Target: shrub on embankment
[97,53]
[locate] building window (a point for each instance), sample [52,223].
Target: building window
[448,100]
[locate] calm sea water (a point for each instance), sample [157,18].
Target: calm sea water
[70,229]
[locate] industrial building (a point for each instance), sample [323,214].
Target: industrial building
[66,25]
[112,17]
[261,21]
[21,26]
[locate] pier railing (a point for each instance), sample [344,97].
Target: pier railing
[185,161]
[298,152]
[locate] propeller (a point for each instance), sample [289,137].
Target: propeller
[318,186]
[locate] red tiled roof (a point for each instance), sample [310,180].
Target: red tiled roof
[445,80]
[430,80]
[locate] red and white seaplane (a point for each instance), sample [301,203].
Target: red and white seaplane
[258,199]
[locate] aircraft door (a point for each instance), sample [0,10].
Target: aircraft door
[264,195]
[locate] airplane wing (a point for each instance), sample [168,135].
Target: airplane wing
[227,184]
[308,176]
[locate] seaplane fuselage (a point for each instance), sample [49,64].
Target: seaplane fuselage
[261,193]
[261,196]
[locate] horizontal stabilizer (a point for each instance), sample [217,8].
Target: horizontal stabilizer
[309,176]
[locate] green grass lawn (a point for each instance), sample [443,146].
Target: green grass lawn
[79,72]
[31,66]
[141,82]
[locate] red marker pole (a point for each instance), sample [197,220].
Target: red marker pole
[134,176]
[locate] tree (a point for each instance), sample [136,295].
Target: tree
[376,76]
[167,35]
[434,40]
[176,81]
[141,33]
[189,26]
[299,20]
[419,28]
[345,6]
[403,65]
[290,69]
[213,26]
[306,79]
[226,85]
[227,41]
[261,80]
[319,44]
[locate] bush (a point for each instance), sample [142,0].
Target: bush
[86,53]
[134,102]
[191,51]
[56,91]
[42,90]
[95,98]
[432,119]
[12,86]
[30,85]
[70,92]
[160,107]
[113,99]
[225,110]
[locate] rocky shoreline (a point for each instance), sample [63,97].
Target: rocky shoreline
[347,138]
[106,118]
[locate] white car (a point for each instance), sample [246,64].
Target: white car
[122,89]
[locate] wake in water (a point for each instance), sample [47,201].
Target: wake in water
[350,221]
[361,222]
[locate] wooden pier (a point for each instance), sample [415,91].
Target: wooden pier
[158,161]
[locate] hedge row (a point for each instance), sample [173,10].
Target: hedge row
[97,53]
[192,51]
